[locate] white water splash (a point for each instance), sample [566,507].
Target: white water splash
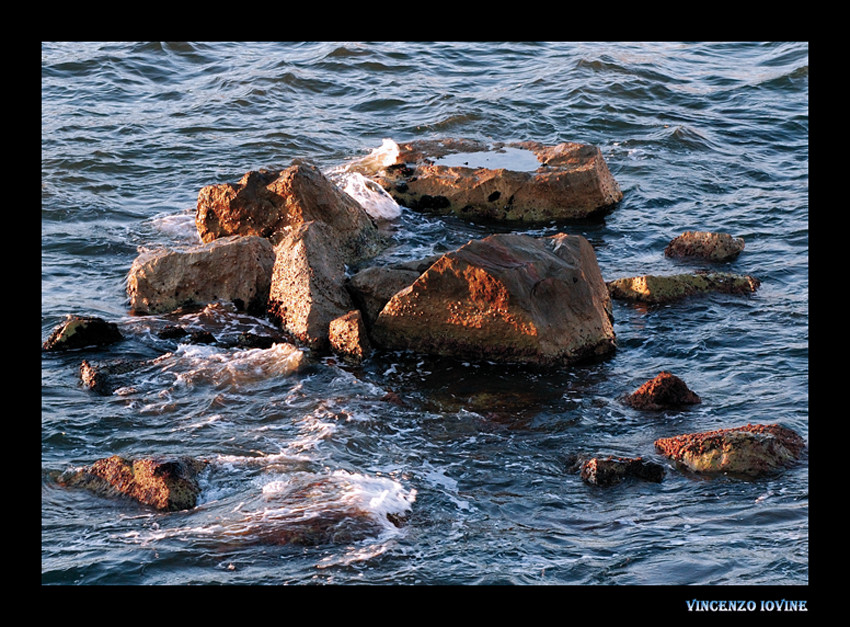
[353,179]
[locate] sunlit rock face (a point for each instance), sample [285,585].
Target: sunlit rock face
[751,450]
[704,245]
[506,298]
[77,332]
[665,391]
[658,289]
[524,182]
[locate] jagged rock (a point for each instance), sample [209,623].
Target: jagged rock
[82,332]
[348,337]
[308,284]
[107,376]
[164,483]
[606,471]
[751,450]
[717,247]
[665,391]
[565,181]
[270,204]
[507,297]
[235,269]
[654,289]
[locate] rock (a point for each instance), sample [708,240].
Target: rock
[235,269]
[653,289]
[665,391]
[164,483]
[308,284]
[505,298]
[372,287]
[606,471]
[717,247]
[348,338]
[270,204]
[82,332]
[107,376]
[751,450]
[566,181]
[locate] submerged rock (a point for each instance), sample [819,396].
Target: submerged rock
[654,289]
[235,269]
[470,179]
[106,377]
[164,483]
[82,332]
[751,450]
[270,204]
[606,471]
[665,391]
[506,298]
[717,247]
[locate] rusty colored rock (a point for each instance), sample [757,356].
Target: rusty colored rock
[270,204]
[82,332]
[506,298]
[751,450]
[665,391]
[716,247]
[566,181]
[348,337]
[235,269]
[606,471]
[654,289]
[164,483]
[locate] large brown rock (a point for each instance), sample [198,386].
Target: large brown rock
[236,269]
[308,284]
[658,289]
[506,298]
[525,181]
[269,204]
[751,450]
[164,483]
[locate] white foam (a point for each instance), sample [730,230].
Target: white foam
[353,179]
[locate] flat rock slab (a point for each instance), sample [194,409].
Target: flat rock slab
[523,182]
[658,289]
[751,450]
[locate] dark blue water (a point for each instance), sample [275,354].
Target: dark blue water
[699,136]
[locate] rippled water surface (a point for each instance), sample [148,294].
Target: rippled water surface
[474,456]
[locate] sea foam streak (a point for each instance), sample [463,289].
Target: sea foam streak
[353,178]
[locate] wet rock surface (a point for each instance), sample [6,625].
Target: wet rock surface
[78,332]
[665,391]
[751,450]
[714,247]
[607,471]
[164,483]
[570,181]
[658,289]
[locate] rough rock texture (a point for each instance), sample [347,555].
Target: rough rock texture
[236,269]
[605,471]
[665,391]
[372,287]
[751,450]
[269,204]
[82,332]
[506,298]
[164,483]
[348,337]
[654,289]
[717,247]
[308,284]
[572,181]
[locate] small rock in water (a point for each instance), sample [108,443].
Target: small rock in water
[82,332]
[664,391]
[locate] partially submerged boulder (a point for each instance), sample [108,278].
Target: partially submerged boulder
[751,450]
[82,332]
[665,391]
[105,377]
[164,483]
[269,204]
[348,337]
[606,471]
[506,298]
[655,289]
[524,181]
[716,247]
[234,269]
[308,284]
